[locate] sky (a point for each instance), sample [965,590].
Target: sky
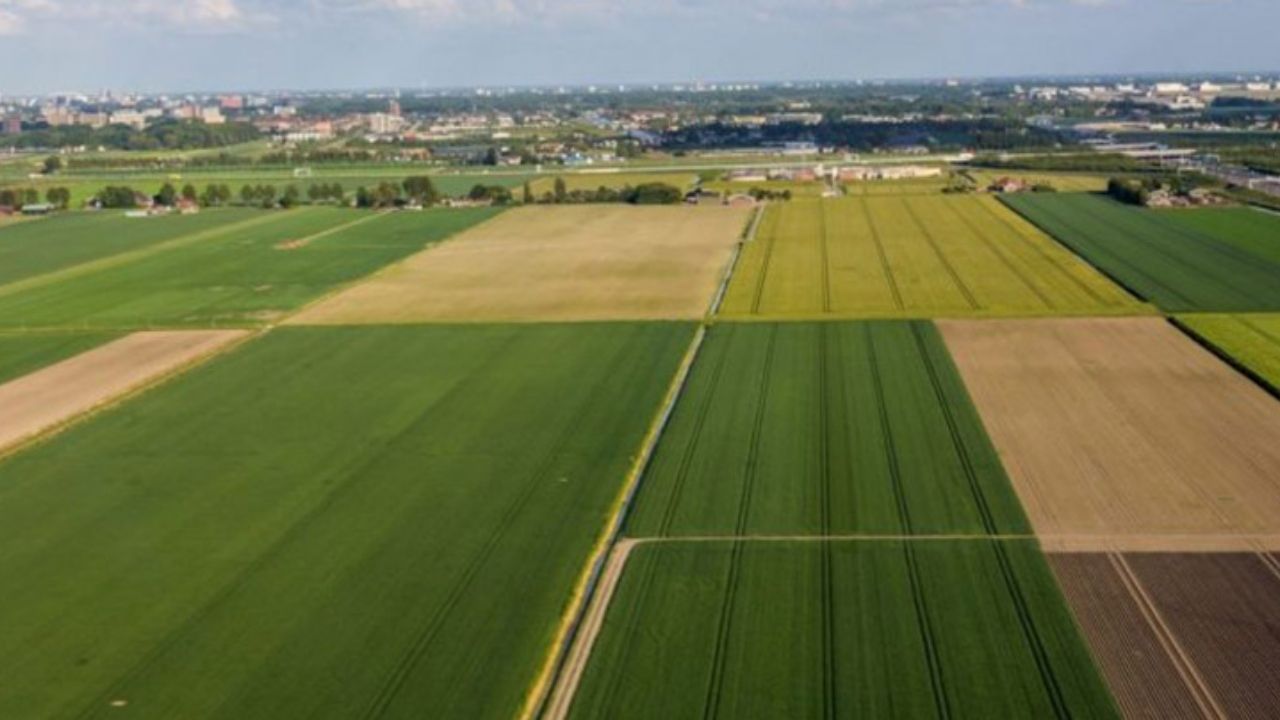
[49,46]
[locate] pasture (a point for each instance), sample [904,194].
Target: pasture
[911,256]
[588,181]
[582,262]
[825,429]
[1158,255]
[245,275]
[1212,650]
[1124,433]
[884,629]
[45,245]
[1251,340]
[326,522]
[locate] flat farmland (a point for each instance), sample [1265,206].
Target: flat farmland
[1248,229]
[22,353]
[245,275]
[911,186]
[612,180]
[59,392]
[343,522]
[825,429]
[1251,340]
[884,629]
[1158,255]
[1062,182]
[555,263]
[46,245]
[1124,431]
[911,256]
[1181,635]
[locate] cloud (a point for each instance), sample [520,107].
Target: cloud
[197,16]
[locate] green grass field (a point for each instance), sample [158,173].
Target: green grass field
[1252,340]
[870,629]
[825,428]
[246,275]
[339,522]
[1159,255]
[613,180]
[22,353]
[911,256]
[1248,229]
[46,245]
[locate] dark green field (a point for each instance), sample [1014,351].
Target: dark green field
[36,247]
[862,629]
[340,522]
[23,353]
[243,276]
[825,428]
[1252,230]
[1159,255]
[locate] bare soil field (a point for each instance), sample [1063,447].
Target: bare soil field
[55,394]
[1124,431]
[1181,634]
[554,263]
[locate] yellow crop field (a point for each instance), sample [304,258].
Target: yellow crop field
[912,256]
[565,262]
[1063,182]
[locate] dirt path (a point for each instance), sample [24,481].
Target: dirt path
[50,397]
[580,653]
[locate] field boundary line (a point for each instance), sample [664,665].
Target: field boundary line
[575,664]
[1196,684]
[1044,254]
[723,287]
[589,578]
[1221,353]
[1133,292]
[141,388]
[130,256]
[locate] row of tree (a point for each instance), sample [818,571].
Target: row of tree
[654,193]
[59,197]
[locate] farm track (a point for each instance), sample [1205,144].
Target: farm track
[942,257]
[885,267]
[1003,257]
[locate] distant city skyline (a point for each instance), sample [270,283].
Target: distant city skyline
[257,45]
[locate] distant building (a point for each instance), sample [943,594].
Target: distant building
[212,116]
[393,108]
[13,125]
[231,102]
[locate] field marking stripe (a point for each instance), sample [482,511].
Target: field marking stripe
[1178,656]
[735,257]
[770,241]
[825,257]
[996,250]
[1035,243]
[588,579]
[882,254]
[130,256]
[942,257]
[426,636]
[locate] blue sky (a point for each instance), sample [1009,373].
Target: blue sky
[63,45]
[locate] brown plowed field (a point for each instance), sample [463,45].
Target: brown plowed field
[1141,672]
[1124,430]
[1181,635]
[554,263]
[53,395]
[1225,610]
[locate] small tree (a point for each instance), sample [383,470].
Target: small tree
[59,197]
[561,190]
[247,194]
[527,196]
[421,189]
[52,164]
[290,197]
[167,195]
[189,192]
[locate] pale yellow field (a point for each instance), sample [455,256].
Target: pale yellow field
[1062,182]
[567,262]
